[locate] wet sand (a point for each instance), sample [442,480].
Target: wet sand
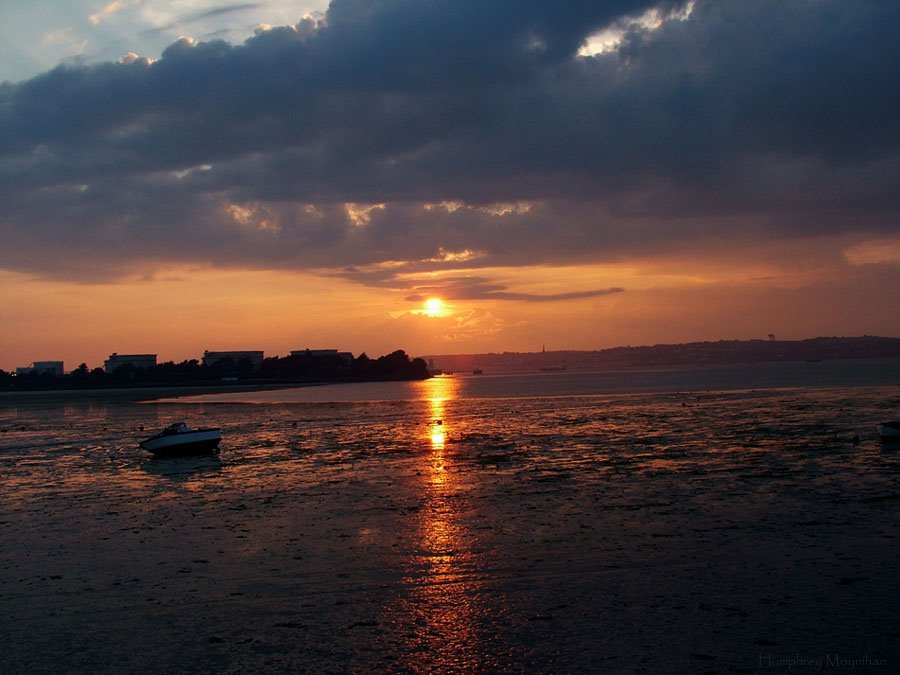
[739,534]
[132,394]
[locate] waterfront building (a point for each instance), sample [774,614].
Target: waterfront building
[255,356]
[137,360]
[346,357]
[40,367]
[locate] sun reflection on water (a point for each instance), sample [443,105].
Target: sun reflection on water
[444,594]
[437,391]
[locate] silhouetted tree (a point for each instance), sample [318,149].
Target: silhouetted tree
[244,369]
[125,373]
[361,365]
[80,376]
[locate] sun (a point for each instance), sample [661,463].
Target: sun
[434,307]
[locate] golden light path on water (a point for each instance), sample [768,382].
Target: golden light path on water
[444,595]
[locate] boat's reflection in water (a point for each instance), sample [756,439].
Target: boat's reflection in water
[443,593]
[187,469]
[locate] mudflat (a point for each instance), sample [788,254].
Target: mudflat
[727,532]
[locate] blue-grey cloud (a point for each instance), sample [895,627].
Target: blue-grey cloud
[745,120]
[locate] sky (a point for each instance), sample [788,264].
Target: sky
[185,175]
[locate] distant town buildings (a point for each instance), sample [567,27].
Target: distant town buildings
[347,357]
[52,367]
[432,369]
[137,360]
[255,356]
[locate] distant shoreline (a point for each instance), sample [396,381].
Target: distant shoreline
[682,355]
[169,394]
[137,394]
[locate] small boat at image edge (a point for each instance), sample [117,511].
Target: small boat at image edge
[180,439]
[889,431]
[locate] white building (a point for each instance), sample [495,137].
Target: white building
[40,367]
[256,356]
[347,357]
[137,360]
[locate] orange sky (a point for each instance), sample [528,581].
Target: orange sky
[177,313]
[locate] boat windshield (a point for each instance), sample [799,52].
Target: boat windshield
[177,428]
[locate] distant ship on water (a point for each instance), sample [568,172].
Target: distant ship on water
[549,369]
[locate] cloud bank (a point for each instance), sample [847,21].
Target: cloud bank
[436,135]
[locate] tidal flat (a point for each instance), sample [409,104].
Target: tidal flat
[437,531]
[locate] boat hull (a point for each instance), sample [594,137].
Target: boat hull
[889,431]
[202,441]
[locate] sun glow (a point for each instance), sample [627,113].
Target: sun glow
[434,307]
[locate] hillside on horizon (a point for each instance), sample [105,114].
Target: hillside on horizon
[685,354]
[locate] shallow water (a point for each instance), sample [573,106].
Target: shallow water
[459,524]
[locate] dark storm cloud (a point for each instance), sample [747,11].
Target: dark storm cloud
[747,119]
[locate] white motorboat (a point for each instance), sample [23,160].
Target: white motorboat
[180,439]
[889,431]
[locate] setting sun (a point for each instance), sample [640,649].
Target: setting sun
[434,307]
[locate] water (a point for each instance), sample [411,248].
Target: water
[676,521]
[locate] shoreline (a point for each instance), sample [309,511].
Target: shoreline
[838,373]
[137,394]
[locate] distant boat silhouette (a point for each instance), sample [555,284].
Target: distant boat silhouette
[549,369]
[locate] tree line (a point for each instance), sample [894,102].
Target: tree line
[302,367]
